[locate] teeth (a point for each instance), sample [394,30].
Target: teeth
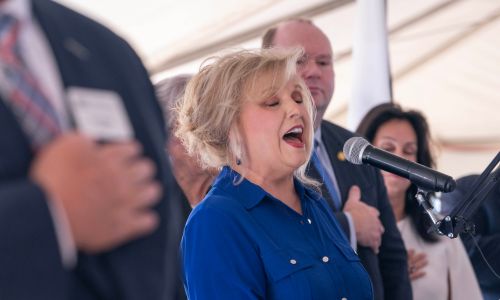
[296,130]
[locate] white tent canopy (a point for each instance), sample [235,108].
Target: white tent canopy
[445,57]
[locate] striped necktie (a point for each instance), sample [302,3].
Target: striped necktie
[20,90]
[325,177]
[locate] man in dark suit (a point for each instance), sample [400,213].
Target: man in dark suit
[79,219]
[356,194]
[487,221]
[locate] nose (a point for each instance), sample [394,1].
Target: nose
[293,108]
[400,152]
[309,69]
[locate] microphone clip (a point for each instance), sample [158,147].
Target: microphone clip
[423,199]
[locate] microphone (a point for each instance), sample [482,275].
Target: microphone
[359,151]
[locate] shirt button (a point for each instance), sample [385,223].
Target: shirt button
[325,259]
[293,261]
[309,221]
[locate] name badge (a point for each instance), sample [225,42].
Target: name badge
[99,114]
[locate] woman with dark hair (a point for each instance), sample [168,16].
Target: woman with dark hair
[449,274]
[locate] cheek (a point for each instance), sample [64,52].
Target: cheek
[328,77]
[260,131]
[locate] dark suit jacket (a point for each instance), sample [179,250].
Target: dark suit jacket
[388,270]
[487,221]
[88,55]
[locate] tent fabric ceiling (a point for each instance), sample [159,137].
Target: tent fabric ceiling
[445,56]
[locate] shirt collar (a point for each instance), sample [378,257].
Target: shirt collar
[317,135]
[251,194]
[20,9]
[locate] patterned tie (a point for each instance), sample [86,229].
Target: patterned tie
[325,178]
[20,90]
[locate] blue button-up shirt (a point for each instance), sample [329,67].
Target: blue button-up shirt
[242,243]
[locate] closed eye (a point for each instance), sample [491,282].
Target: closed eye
[324,63]
[273,102]
[297,96]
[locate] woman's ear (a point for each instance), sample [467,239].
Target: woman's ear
[236,152]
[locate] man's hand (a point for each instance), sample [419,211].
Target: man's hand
[106,190]
[369,229]
[416,264]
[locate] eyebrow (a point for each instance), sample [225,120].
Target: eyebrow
[394,140]
[320,56]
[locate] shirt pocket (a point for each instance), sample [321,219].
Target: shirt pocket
[356,271]
[287,272]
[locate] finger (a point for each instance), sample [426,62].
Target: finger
[140,224]
[420,263]
[372,211]
[144,196]
[410,252]
[417,274]
[420,256]
[354,193]
[141,170]
[120,152]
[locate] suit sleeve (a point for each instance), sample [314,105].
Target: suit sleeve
[30,263]
[392,257]
[209,239]
[488,241]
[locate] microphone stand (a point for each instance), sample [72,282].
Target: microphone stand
[457,221]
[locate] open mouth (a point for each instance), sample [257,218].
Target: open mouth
[294,136]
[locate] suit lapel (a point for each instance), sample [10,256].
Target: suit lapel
[71,56]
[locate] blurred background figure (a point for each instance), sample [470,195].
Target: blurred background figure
[193,180]
[85,186]
[447,272]
[487,221]
[260,233]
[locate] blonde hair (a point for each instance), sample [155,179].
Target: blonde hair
[213,99]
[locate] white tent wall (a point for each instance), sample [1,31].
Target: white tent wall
[444,55]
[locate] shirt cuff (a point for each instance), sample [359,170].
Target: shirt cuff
[352,232]
[67,246]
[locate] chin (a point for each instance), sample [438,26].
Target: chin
[396,181]
[295,164]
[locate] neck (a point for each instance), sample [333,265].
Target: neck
[194,187]
[197,189]
[398,205]
[281,187]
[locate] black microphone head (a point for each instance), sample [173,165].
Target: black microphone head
[449,185]
[354,148]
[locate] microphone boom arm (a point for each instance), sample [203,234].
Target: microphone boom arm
[457,221]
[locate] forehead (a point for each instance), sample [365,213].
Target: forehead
[302,34]
[266,84]
[397,129]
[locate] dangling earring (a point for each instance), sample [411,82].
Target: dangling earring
[238,161]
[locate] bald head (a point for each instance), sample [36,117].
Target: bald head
[316,68]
